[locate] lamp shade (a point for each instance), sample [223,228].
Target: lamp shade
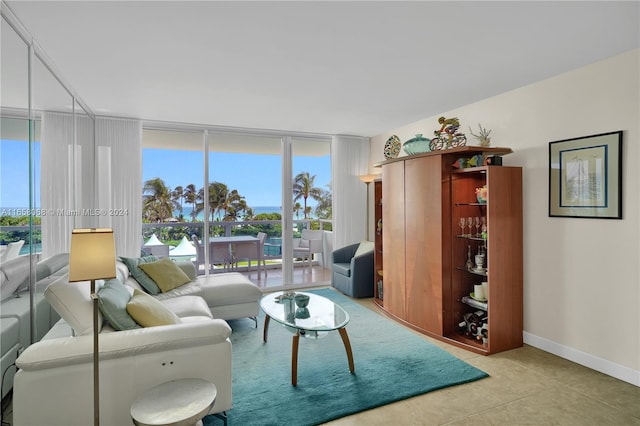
[368,178]
[92,255]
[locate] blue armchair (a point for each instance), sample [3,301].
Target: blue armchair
[352,269]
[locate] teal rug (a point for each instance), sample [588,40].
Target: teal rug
[391,364]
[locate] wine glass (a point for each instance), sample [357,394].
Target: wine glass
[462,222]
[477,222]
[469,224]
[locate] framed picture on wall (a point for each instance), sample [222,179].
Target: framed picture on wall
[585,177]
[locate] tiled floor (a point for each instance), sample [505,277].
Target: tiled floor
[303,276]
[526,387]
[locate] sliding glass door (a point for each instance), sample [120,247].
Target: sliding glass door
[241,191]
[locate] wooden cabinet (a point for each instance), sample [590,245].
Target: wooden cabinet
[426,284]
[393,243]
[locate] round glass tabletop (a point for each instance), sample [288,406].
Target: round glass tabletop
[320,314]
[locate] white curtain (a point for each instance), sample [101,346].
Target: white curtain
[119,186]
[349,160]
[66,179]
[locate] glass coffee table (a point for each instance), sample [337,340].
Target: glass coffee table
[320,316]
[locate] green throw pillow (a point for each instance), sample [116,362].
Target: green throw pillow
[112,301]
[166,274]
[138,274]
[149,312]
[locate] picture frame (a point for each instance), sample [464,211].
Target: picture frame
[585,177]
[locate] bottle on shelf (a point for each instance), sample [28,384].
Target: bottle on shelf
[469,264]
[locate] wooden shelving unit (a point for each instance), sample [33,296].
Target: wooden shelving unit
[426,284]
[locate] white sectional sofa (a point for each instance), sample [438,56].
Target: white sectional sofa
[15,333]
[54,383]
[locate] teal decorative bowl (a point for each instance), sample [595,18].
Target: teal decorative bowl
[302,300]
[417,145]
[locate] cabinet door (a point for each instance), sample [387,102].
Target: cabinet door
[504,256]
[393,244]
[424,254]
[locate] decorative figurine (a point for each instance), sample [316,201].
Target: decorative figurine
[448,136]
[483,136]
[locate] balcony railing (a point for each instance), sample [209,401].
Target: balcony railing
[172,232]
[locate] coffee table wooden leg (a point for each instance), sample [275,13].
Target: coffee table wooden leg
[347,347]
[266,328]
[294,359]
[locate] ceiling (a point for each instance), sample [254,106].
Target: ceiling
[352,68]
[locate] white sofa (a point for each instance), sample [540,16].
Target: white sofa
[53,385]
[15,303]
[229,295]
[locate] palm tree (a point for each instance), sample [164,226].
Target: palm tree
[218,193]
[177,195]
[233,205]
[157,203]
[191,197]
[323,209]
[248,214]
[296,209]
[303,188]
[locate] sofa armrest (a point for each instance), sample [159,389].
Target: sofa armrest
[52,353]
[344,254]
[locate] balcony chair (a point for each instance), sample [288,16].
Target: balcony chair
[352,269]
[310,243]
[218,255]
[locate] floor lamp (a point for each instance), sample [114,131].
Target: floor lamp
[93,257]
[367,179]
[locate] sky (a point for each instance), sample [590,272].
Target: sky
[256,177]
[14,173]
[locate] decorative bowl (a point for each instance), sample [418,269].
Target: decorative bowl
[417,145]
[302,300]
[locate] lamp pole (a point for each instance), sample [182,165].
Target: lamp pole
[92,257]
[367,179]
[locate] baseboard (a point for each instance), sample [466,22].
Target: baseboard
[602,365]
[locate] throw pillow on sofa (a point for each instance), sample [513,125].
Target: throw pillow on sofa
[112,301]
[165,273]
[133,263]
[148,311]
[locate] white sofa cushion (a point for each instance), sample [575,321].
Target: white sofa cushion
[188,306]
[72,301]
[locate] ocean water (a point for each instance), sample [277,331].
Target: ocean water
[186,211]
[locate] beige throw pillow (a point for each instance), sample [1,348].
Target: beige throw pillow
[149,312]
[165,273]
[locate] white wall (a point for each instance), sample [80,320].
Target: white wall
[581,285]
